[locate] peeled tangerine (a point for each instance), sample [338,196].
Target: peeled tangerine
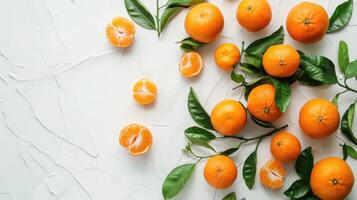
[144,91]
[120,32]
[272,175]
[137,139]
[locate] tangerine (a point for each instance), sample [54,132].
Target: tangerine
[190,64]
[220,171]
[144,91]
[254,15]
[136,138]
[226,56]
[120,32]
[285,147]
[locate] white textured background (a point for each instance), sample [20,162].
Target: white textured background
[65,93]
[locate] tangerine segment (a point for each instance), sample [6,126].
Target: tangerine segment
[254,15]
[228,117]
[307,22]
[226,56]
[120,32]
[285,147]
[136,138]
[261,103]
[220,172]
[144,91]
[190,64]
[272,175]
[281,60]
[319,118]
[331,179]
[204,22]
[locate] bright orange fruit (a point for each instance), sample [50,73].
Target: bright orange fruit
[190,64]
[307,22]
[261,103]
[120,32]
[144,91]
[227,56]
[285,147]
[281,60]
[204,22]
[220,172]
[272,175]
[331,179]
[228,117]
[254,15]
[319,118]
[136,138]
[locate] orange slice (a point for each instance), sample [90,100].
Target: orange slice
[136,138]
[272,175]
[144,91]
[120,32]
[190,64]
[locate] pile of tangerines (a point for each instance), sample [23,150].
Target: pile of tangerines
[307,22]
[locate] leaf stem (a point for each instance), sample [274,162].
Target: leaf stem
[346,86]
[157,18]
[258,137]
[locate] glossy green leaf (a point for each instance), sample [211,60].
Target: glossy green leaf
[341,16]
[140,14]
[198,113]
[298,189]
[200,133]
[335,99]
[183,3]
[346,124]
[189,44]
[176,180]
[282,94]
[238,78]
[254,60]
[167,15]
[319,68]
[229,151]
[343,56]
[351,70]
[249,170]
[304,164]
[259,47]
[351,152]
[261,123]
[344,151]
[304,79]
[248,68]
[230,196]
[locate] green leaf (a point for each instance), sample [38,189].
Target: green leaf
[318,68]
[282,94]
[304,79]
[167,15]
[346,124]
[198,113]
[189,44]
[200,133]
[248,68]
[238,78]
[254,60]
[230,196]
[259,47]
[350,151]
[351,70]
[335,99]
[176,180]
[341,16]
[261,123]
[183,3]
[140,14]
[344,151]
[304,164]
[229,151]
[249,170]
[298,189]
[343,56]
[249,86]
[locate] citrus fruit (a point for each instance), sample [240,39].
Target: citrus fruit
[319,118]
[190,64]
[220,171]
[281,60]
[204,22]
[228,117]
[226,56]
[285,147]
[120,32]
[136,139]
[261,103]
[272,174]
[331,179]
[254,15]
[144,91]
[307,22]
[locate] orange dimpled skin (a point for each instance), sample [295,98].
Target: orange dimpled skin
[144,91]
[254,15]
[204,22]
[272,175]
[190,64]
[319,118]
[281,61]
[307,22]
[136,138]
[120,32]
[227,56]
[228,117]
[220,172]
[331,179]
[285,147]
[261,103]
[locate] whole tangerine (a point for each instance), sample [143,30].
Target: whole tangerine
[220,172]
